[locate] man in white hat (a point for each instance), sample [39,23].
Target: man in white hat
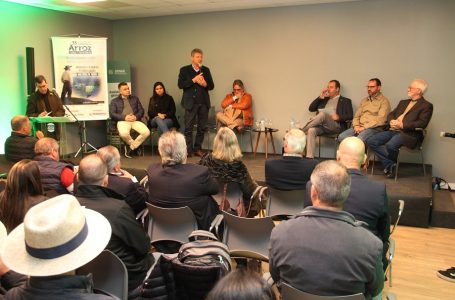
[57,237]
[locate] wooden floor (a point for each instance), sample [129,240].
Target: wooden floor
[420,253]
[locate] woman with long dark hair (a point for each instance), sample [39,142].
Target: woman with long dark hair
[161,109]
[23,190]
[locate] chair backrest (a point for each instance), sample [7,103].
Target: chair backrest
[285,203]
[400,211]
[290,293]
[170,224]
[247,237]
[233,193]
[211,120]
[109,274]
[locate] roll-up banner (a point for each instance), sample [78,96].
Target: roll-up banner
[80,72]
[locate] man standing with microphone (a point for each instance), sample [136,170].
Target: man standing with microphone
[196,81]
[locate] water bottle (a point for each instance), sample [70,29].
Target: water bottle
[291,124]
[262,125]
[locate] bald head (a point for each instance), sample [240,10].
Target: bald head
[21,124]
[92,170]
[351,153]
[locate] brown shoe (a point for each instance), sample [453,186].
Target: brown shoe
[199,153]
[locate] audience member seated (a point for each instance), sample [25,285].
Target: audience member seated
[323,250]
[57,237]
[161,110]
[121,181]
[20,145]
[333,111]
[241,285]
[237,108]
[128,240]
[293,170]
[126,112]
[367,201]
[225,165]
[371,116]
[404,120]
[56,176]
[8,279]
[23,190]
[174,183]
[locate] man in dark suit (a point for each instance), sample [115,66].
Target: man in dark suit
[196,81]
[121,181]
[404,120]
[367,201]
[174,183]
[44,102]
[292,171]
[333,110]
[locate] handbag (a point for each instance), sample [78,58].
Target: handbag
[226,206]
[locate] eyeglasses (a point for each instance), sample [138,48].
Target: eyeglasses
[371,86]
[412,88]
[237,90]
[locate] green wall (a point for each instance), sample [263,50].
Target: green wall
[24,26]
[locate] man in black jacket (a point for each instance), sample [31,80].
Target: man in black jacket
[126,112]
[121,181]
[20,145]
[292,171]
[128,240]
[367,201]
[196,81]
[333,110]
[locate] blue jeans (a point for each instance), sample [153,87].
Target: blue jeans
[163,125]
[385,145]
[364,135]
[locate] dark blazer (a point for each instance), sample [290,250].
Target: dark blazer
[116,109]
[36,104]
[135,194]
[418,117]
[344,109]
[190,89]
[289,172]
[184,185]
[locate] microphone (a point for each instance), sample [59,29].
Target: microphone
[54,91]
[447,134]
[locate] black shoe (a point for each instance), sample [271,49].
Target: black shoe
[448,274]
[128,152]
[138,151]
[391,171]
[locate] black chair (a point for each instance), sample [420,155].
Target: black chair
[110,276]
[282,204]
[246,130]
[290,293]
[419,149]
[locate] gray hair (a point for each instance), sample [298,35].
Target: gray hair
[421,84]
[332,183]
[110,155]
[172,148]
[45,146]
[18,122]
[296,141]
[92,170]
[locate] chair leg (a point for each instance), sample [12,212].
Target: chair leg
[423,163]
[372,165]
[390,274]
[398,165]
[251,140]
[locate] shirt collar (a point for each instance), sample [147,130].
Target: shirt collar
[292,155]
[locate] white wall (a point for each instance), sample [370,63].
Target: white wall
[286,55]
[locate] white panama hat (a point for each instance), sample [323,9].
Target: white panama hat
[57,236]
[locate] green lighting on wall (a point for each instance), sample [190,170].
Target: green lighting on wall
[51,4]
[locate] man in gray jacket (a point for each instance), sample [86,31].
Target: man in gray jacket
[324,251]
